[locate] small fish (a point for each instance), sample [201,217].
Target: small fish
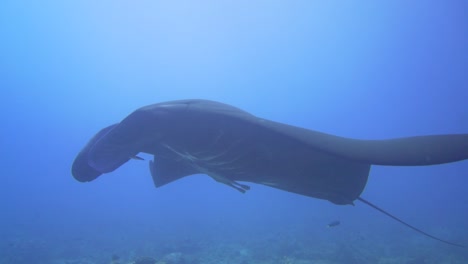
[333,223]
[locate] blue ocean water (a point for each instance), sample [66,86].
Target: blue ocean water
[367,69]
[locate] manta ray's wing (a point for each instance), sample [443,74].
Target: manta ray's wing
[166,170]
[405,151]
[299,166]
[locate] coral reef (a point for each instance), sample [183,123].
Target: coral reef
[268,249]
[173,258]
[145,260]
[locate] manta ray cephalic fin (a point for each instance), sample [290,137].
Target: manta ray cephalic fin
[164,171]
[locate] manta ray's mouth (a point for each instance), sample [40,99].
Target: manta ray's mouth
[82,171]
[81,168]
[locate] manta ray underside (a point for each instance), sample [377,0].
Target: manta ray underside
[190,137]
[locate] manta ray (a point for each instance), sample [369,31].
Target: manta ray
[232,146]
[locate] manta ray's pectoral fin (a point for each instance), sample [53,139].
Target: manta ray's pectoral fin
[238,186]
[164,170]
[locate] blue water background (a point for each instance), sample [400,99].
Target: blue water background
[361,69]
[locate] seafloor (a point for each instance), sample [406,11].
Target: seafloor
[263,248]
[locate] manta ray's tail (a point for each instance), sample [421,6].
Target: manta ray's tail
[408,225]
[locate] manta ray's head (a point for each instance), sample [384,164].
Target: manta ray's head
[104,153]
[114,145]
[81,169]
[141,131]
